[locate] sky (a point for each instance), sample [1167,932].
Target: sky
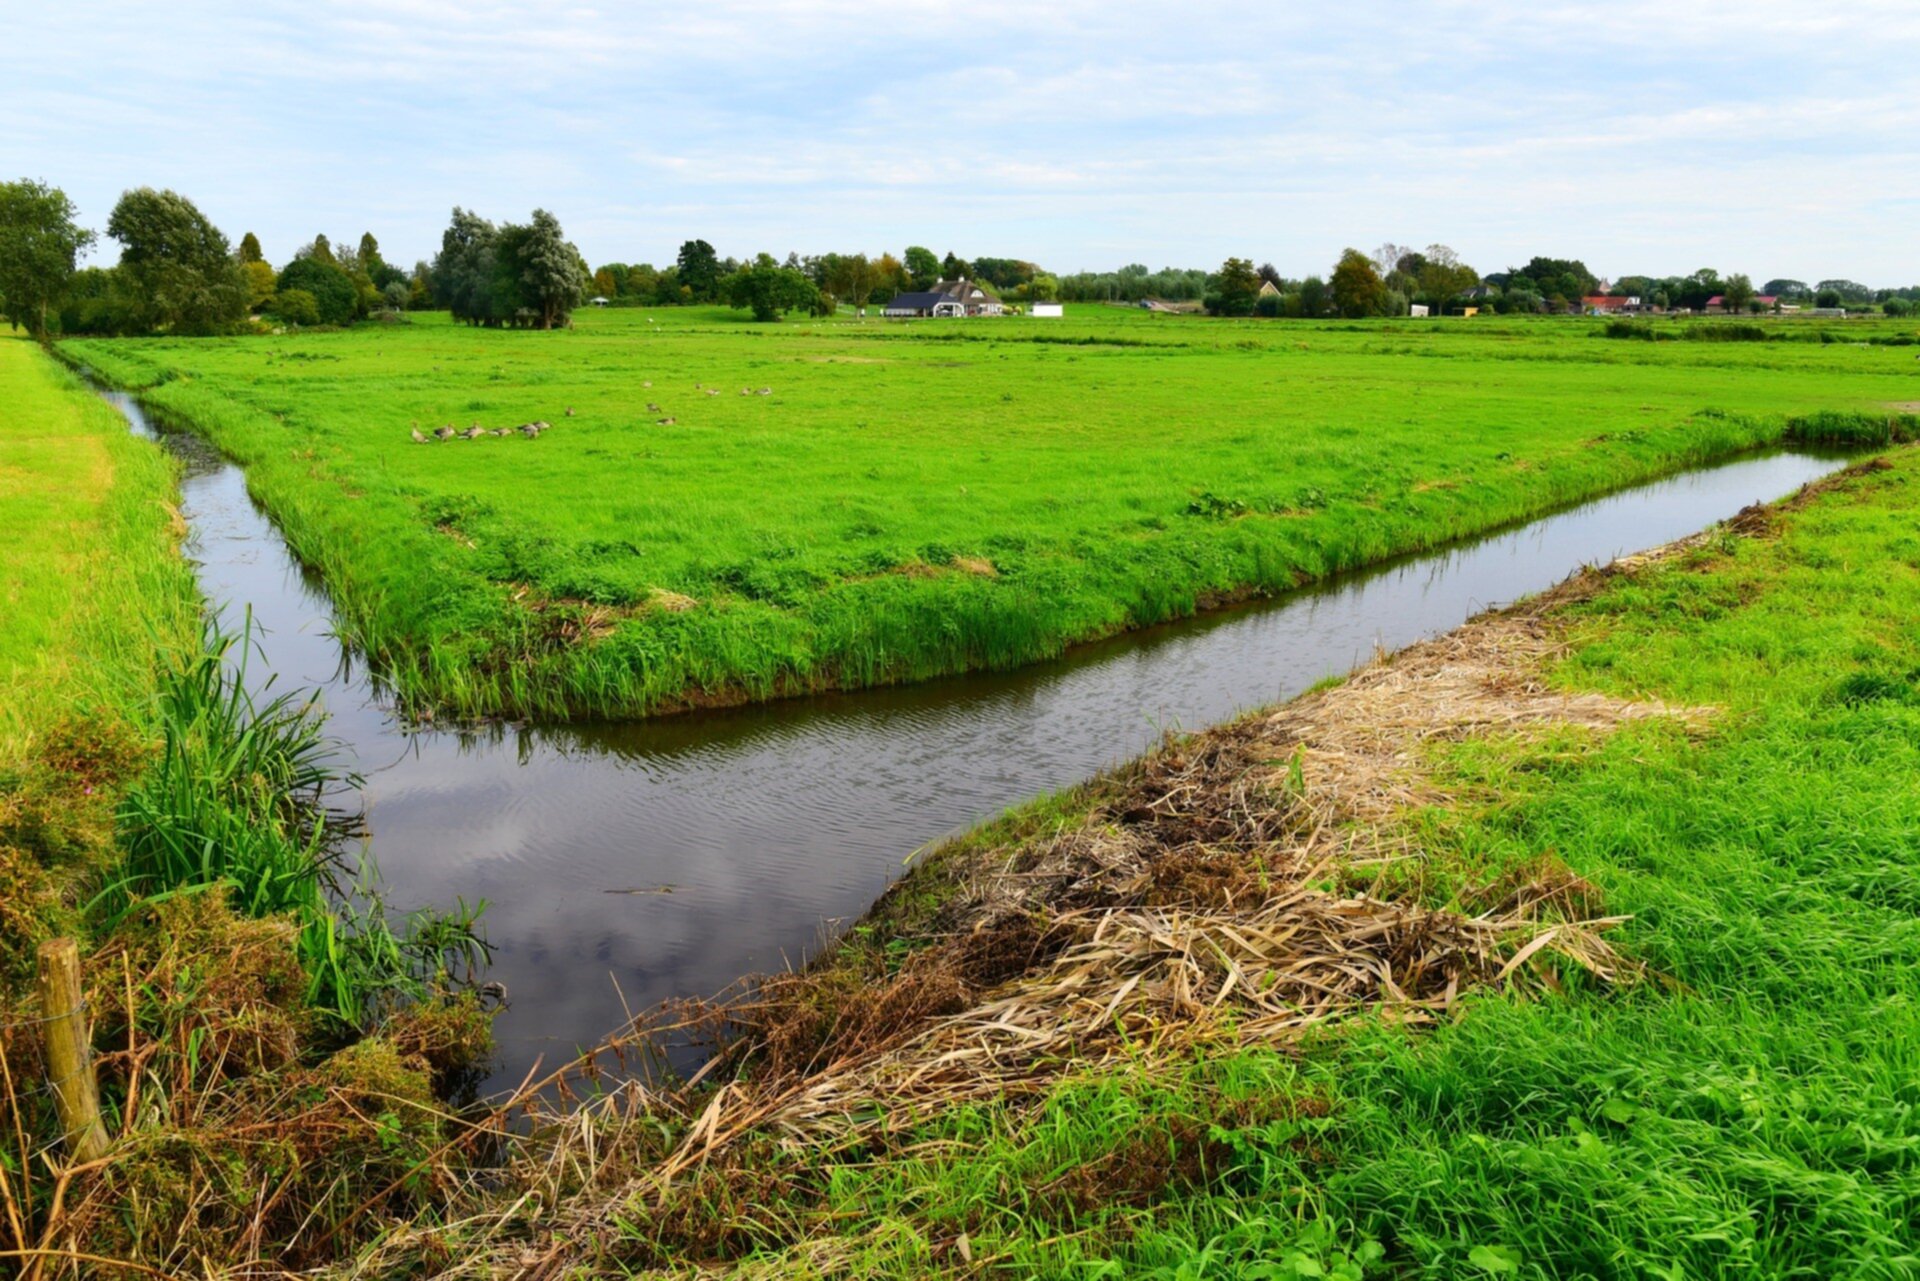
[1771,137]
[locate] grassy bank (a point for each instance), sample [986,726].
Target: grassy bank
[1580,942]
[268,1046]
[92,584]
[908,500]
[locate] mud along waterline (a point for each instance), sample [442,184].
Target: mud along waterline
[639,861]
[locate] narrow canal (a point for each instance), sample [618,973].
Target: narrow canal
[629,863]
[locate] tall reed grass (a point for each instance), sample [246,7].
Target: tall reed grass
[243,800]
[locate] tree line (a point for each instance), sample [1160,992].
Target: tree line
[178,273]
[811,282]
[1394,278]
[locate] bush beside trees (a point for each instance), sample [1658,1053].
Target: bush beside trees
[296,307]
[769,290]
[326,285]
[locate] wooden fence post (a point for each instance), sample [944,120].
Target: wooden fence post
[69,1045]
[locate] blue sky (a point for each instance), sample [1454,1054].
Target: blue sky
[1780,139]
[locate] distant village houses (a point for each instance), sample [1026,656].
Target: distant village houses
[947,298]
[1609,304]
[1765,302]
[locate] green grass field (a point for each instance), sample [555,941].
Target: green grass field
[92,586]
[922,498]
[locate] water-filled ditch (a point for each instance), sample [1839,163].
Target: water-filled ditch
[630,863]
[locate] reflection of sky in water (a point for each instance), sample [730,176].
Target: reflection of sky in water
[769,822]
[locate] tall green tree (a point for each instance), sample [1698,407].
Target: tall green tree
[377,269]
[1356,285]
[922,267]
[250,249]
[551,276]
[463,270]
[699,270]
[177,266]
[1441,276]
[1737,291]
[40,247]
[1235,287]
[1313,298]
[851,277]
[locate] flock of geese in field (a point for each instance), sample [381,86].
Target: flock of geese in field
[533,429]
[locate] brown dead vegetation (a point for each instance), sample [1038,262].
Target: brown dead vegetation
[235,1136]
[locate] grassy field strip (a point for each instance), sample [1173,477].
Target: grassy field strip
[904,501]
[1580,942]
[91,585]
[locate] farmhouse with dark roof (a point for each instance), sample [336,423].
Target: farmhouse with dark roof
[947,298]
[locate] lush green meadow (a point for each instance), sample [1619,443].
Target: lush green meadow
[91,585]
[911,499]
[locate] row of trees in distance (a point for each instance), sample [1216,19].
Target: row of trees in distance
[1392,278]
[698,274]
[178,274]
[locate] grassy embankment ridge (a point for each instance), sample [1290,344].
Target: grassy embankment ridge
[1581,942]
[911,500]
[252,1029]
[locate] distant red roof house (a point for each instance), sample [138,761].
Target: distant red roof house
[1602,304]
[1719,302]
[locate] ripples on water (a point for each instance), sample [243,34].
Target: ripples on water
[765,825]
